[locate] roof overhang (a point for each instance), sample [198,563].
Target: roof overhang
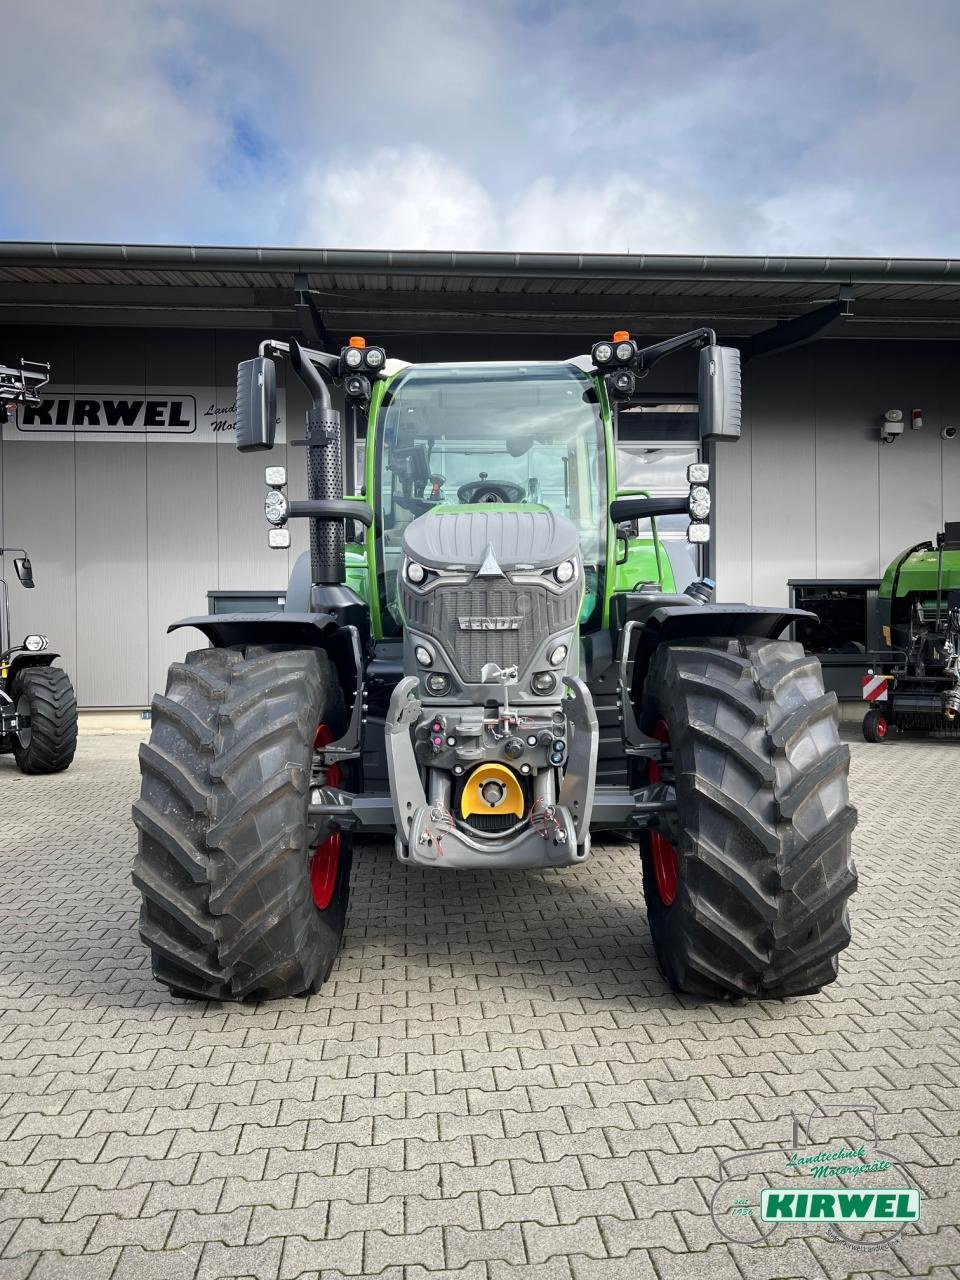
[392,292]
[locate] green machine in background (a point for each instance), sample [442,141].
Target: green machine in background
[919,614]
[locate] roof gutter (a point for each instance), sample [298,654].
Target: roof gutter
[529,265]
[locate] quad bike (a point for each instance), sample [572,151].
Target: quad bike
[38,710]
[500,664]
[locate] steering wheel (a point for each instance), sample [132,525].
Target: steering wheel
[484,490]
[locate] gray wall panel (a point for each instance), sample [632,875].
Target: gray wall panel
[181,548]
[847,502]
[783,474]
[140,533]
[112,575]
[39,514]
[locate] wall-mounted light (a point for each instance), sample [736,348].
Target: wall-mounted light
[891,426]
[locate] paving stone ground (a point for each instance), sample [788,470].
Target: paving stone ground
[495,1083]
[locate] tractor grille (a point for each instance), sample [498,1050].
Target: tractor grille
[450,614]
[491,824]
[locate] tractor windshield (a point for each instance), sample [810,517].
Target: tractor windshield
[456,435]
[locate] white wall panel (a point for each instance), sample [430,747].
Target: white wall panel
[181,548]
[112,623]
[911,486]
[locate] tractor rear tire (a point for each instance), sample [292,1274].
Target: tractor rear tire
[224,861]
[50,742]
[763,868]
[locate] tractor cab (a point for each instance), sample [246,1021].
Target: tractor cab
[492,438]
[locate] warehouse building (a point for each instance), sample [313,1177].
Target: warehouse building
[126,490]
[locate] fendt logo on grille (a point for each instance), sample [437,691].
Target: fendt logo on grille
[509,623]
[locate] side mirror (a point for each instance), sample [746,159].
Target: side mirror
[24,571]
[256,404]
[719,393]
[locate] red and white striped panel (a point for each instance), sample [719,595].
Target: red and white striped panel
[875,688]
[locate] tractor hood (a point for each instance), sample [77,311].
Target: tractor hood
[534,539]
[919,572]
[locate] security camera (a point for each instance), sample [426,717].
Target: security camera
[949,433]
[891,426]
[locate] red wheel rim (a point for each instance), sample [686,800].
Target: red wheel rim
[666,862]
[325,862]
[880,727]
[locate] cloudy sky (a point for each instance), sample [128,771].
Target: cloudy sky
[656,126]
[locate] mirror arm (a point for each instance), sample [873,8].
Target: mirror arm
[640,508]
[647,357]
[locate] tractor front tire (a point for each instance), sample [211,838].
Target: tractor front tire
[49,743]
[747,896]
[225,861]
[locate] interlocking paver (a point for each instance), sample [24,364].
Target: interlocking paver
[494,1084]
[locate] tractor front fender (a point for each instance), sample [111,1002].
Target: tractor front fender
[298,630]
[679,618]
[642,625]
[325,631]
[23,660]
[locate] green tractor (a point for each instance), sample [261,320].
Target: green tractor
[918,690]
[488,657]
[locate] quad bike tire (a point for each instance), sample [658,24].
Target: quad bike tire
[756,905]
[225,866]
[876,726]
[49,744]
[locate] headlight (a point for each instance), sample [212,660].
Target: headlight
[276,477]
[423,655]
[698,473]
[543,682]
[438,683]
[602,353]
[35,643]
[557,655]
[278,539]
[275,507]
[353,357]
[415,572]
[624,350]
[374,357]
[699,502]
[566,571]
[698,533]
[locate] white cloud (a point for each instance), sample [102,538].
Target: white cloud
[414,198]
[95,136]
[409,198]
